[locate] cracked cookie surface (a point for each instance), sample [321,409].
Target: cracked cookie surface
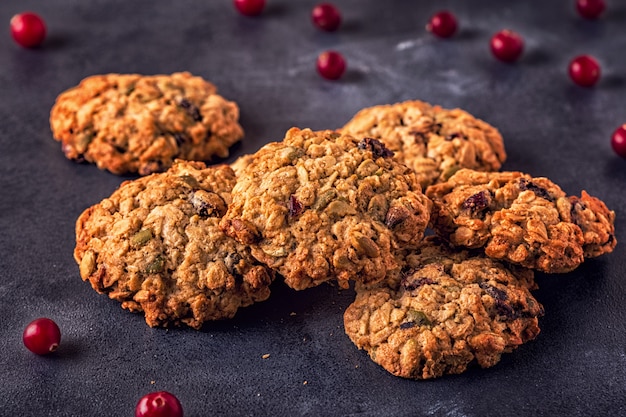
[131,123]
[322,206]
[155,245]
[433,141]
[446,310]
[524,220]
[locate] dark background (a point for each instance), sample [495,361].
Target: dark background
[109,358]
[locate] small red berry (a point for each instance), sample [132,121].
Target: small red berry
[507,45]
[159,404]
[326,17]
[584,70]
[250,7]
[442,24]
[590,9]
[42,336]
[618,141]
[28,29]
[331,65]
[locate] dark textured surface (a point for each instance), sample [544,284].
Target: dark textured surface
[109,358]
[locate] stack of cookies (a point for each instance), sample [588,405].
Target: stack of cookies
[406,204]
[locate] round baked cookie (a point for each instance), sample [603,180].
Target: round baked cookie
[322,206]
[448,309]
[433,141]
[524,220]
[131,123]
[155,245]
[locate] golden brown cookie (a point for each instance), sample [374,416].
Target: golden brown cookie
[155,245]
[446,310]
[322,206]
[131,123]
[524,220]
[433,141]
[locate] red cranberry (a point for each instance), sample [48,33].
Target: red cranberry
[250,7]
[590,9]
[42,336]
[618,141]
[159,404]
[28,29]
[584,70]
[326,17]
[331,65]
[507,45]
[442,24]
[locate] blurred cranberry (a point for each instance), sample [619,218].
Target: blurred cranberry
[28,29]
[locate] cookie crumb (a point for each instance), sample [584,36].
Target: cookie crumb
[293,313]
[267,355]
[305,382]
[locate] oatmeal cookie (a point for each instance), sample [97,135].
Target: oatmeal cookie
[447,310]
[524,220]
[131,123]
[155,245]
[323,206]
[433,141]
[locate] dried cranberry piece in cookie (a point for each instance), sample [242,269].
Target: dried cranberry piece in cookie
[295,206]
[208,204]
[500,297]
[525,184]
[376,146]
[191,109]
[477,202]
[410,282]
